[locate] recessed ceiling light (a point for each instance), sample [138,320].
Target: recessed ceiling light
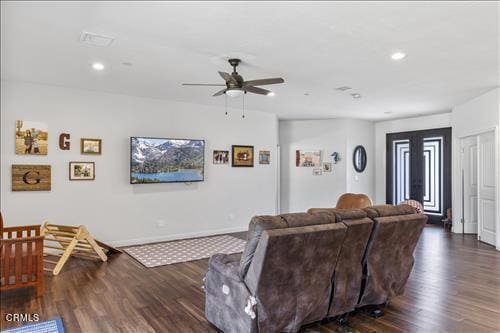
[271,93]
[398,55]
[356,95]
[97,66]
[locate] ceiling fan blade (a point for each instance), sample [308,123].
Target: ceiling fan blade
[256,90]
[204,84]
[220,92]
[262,82]
[227,77]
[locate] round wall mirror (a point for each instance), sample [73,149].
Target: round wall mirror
[359,158]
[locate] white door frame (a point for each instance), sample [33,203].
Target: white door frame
[480,169]
[457,181]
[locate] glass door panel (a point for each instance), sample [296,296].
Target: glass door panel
[419,168]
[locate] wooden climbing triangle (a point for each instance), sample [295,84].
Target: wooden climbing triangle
[64,241]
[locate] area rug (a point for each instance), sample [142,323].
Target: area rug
[159,254]
[49,326]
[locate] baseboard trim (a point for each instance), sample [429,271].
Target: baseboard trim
[469,228]
[165,238]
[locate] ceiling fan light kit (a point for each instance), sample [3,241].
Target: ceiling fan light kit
[234,92]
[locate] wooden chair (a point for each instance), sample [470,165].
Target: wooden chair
[21,263]
[353,200]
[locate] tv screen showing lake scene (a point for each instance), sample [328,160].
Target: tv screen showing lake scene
[155,160]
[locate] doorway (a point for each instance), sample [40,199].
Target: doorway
[479,186]
[419,168]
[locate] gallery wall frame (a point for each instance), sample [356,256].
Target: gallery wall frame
[91,146]
[242,156]
[81,170]
[31,138]
[308,158]
[220,157]
[264,157]
[31,177]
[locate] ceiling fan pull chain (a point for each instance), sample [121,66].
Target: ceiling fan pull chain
[225,102]
[243,116]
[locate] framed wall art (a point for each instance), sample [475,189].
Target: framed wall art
[264,157]
[308,158]
[221,156]
[81,171]
[91,146]
[31,138]
[242,156]
[31,177]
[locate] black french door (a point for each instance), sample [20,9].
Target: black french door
[419,168]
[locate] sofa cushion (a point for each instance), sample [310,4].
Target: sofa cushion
[257,225]
[340,214]
[349,269]
[389,256]
[266,222]
[304,219]
[290,275]
[389,210]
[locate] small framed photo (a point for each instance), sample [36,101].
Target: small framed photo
[31,138]
[221,156]
[308,158]
[327,167]
[242,156]
[91,146]
[81,171]
[317,171]
[264,157]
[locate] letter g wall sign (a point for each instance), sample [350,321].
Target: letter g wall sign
[27,177]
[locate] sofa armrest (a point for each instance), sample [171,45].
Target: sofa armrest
[225,265]
[228,303]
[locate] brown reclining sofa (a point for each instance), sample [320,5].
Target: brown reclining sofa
[300,268]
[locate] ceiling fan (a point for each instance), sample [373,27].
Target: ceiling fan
[236,85]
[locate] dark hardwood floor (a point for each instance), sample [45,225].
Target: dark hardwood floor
[454,287]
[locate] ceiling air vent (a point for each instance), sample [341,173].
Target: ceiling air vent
[95,39]
[343,88]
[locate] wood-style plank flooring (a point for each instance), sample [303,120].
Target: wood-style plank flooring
[454,287]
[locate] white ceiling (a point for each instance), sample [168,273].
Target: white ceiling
[452,52]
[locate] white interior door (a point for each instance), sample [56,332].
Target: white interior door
[486,188]
[470,191]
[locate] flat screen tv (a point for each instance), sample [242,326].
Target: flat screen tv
[157,160]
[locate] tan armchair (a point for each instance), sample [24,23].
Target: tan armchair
[353,200]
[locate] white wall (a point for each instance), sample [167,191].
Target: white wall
[300,189]
[476,116]
[395,126]
[114,210]
[361,133]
